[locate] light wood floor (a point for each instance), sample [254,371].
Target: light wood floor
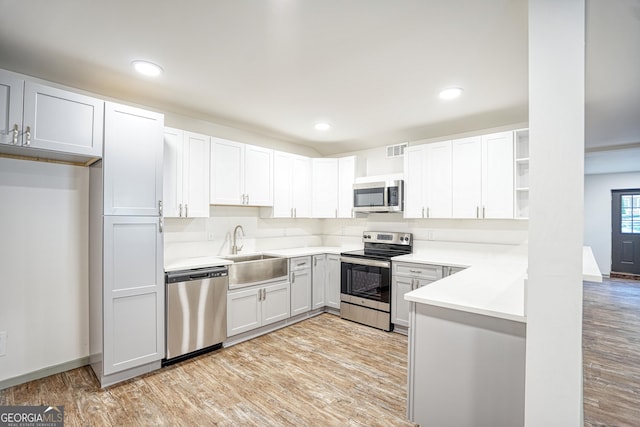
[324,371]
[327,371]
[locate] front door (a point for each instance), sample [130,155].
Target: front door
[625,231]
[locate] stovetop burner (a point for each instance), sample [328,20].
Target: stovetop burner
[383,245]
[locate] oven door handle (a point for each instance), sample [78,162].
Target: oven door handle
[365,261]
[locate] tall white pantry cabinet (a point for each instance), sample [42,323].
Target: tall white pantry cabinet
[126,286]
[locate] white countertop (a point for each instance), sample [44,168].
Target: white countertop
[187,263]
[493,285]
[190,263]
[305,251]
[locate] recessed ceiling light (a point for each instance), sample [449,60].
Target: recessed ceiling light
[450,93]
[147,68]
[322,126]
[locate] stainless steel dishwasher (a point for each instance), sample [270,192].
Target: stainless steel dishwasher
[196,312]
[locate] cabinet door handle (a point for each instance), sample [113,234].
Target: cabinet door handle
[315,261]
[336,213]
[423,212]
[180,209]
[483,212]
[160,225]
[428,213]
[16,132]
[477,211]
[160,207]
[295,212]
[291,212]
[28,135]
[416,271]
[186,210]
[264,294]
[293,278]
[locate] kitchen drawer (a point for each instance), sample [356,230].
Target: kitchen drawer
[422,271]
[300,263]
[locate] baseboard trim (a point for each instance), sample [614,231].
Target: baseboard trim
[45,372]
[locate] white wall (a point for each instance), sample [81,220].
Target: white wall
[597,212]
[43,265]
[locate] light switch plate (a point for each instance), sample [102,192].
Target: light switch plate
[3,343]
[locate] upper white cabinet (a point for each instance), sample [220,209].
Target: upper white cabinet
[291,186]
[521,142]
[497,175]
[332,185]
[482,169]
[186,174]
[35,116]
[428,181]
[132,161]
[325,185]
[349,168]
[241,174]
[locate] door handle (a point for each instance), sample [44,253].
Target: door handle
[160,225]
[160,207]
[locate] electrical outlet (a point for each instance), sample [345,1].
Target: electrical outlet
[3,343]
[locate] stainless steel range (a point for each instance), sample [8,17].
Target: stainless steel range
[365,284]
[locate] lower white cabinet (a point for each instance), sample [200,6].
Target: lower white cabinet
[300,276]
[332,281]
[406,278]
[318,281]
[250,308]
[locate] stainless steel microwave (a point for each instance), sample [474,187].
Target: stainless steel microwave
[383,196]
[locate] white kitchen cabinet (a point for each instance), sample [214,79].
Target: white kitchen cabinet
[467,175]
[133,299]
[291,186]
[521,142]
[126,271]
[250,308]
[133,161]
[318,281]
[332,283]
[428,181]
[349,168]
[415,168]
[482,170]
[35,117]
[324,187]
[497,175]
[186,174]
[300,277]
[241,174]
[439,180]
[405,278]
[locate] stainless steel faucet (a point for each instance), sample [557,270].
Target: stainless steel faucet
[235,249]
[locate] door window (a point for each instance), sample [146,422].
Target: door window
[630,213]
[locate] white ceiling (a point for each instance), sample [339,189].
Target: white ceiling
[372,68]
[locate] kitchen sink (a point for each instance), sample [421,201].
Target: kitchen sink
[248,270]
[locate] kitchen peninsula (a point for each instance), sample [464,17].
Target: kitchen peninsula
[467,339]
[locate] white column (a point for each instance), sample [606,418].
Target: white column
[554,300]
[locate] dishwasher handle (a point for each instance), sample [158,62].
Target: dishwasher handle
[196,274]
